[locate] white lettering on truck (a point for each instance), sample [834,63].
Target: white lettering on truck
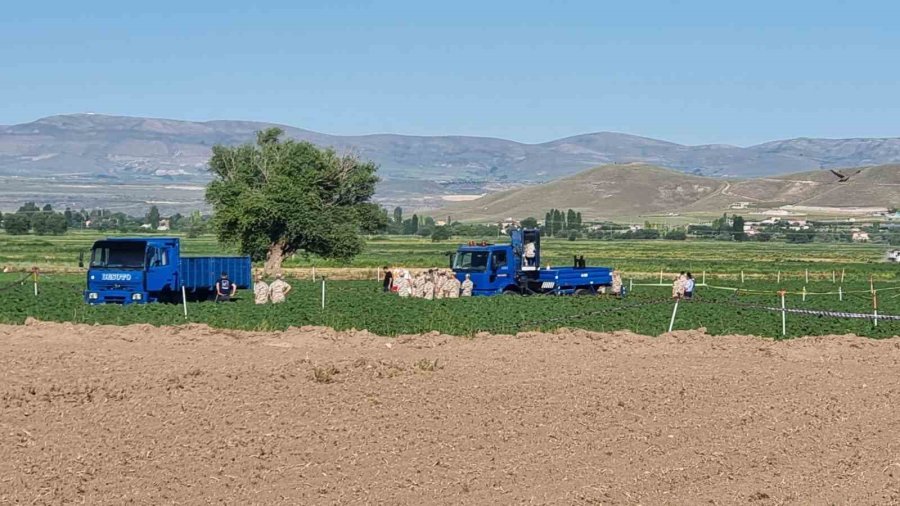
[115,276]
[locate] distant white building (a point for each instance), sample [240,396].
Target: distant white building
[508,224]
[860,237]
[739,205]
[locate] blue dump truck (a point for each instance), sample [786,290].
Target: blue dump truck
[137,270]
[515,268]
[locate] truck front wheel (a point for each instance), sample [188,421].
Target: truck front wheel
[581,292]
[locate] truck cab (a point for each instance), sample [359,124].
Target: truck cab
[132,270]
[516,268]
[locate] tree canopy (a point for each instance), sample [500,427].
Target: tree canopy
[278,197]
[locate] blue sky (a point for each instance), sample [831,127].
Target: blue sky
[694,72]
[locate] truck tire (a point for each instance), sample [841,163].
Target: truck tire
[582,292]
[511,291]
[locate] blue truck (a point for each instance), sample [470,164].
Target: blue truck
[515,268]
[137,270]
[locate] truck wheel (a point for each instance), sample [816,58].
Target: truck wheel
[582,292]
[511,291]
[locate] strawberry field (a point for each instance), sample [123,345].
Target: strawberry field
[361,305]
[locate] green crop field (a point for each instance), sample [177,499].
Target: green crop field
[634,257]
[360,305]
[357,304]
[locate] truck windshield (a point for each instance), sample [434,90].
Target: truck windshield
[471,261]
[118,255]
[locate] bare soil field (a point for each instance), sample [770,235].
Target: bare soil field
[192,415]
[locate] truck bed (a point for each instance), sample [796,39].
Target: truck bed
[570,276]
[199,273]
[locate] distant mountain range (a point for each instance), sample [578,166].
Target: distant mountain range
[633,190]
[125,149]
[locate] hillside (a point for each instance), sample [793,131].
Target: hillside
[128,148]
[628,190]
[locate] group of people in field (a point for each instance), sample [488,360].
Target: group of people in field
[276,291]
[429,285]
[683,286]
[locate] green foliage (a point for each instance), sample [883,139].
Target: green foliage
[278,197]
[675,235]
[49,223]
[360,305]
[17,224]
[529,222]
[153,218]
[440,233]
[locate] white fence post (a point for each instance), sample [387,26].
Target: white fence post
[841,293]
[783,316]
[184,300]
[674,310]
[323,293]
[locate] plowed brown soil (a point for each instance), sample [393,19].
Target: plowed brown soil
[192,415]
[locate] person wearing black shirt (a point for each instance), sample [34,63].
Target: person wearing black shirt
[225,289]
[388,280]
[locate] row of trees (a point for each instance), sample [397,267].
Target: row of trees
[31,217]
[45,221]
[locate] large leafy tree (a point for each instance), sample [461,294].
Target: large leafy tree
[279,197]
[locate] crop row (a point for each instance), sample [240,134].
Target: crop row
[360,305]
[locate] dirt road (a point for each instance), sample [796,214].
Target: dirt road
[190,415]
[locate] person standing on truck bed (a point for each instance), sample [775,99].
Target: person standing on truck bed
[225,289]
[279,289]
[530,251]
[260,290]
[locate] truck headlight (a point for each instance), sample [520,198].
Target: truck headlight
[136,296]
[93,296]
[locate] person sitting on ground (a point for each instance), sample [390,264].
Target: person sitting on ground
[467,286]
[279,289]
[260,290]
[225,289]
[689,286]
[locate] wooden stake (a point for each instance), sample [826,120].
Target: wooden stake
[842,276]
[323,293]
[833,278]
[660,276]
[804,294]
[779,276]
[704,277]
[807,276]
[742,277]
[841,293]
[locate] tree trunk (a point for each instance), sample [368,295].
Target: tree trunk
[274,259]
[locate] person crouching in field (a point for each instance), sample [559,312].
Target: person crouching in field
[279,289]
[260,290]
[225,289]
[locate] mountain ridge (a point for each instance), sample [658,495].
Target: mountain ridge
[628,190]
[125,147]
